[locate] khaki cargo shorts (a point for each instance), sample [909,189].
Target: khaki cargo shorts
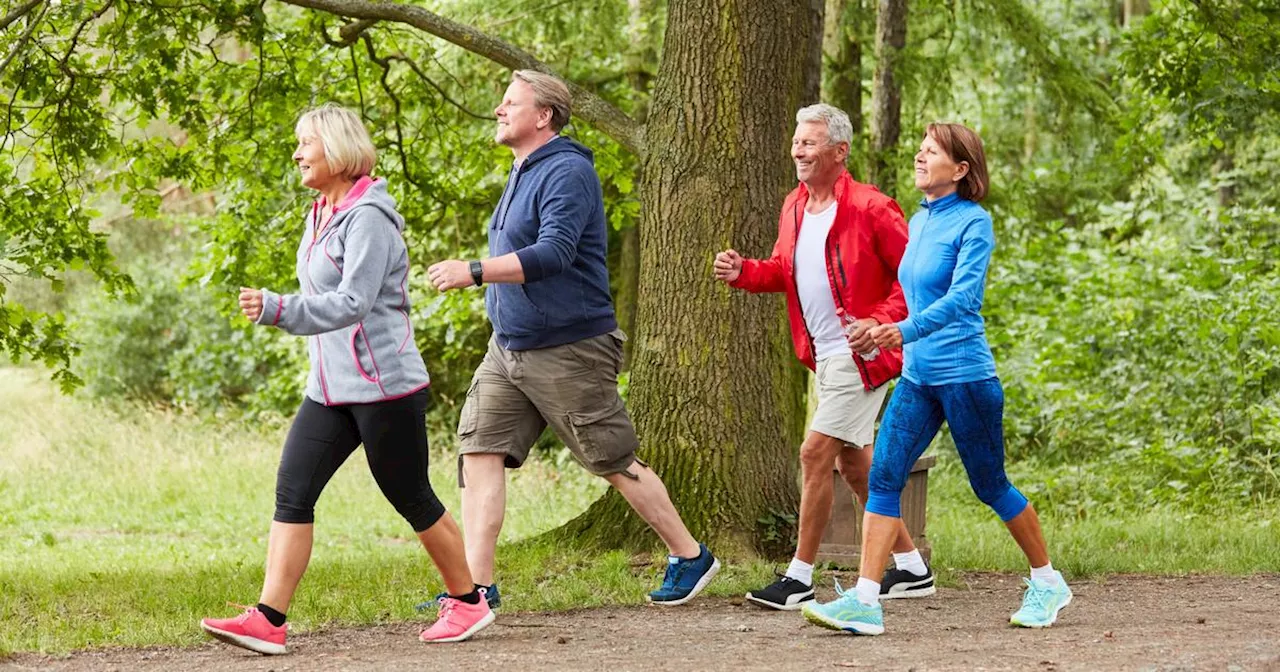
[573,388]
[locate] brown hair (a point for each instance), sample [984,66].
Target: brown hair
[548,91]
[963,145]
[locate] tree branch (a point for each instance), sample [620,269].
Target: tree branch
[18,12]
[591,108]
[22,42]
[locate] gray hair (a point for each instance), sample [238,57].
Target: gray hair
[839,128]
[548,91]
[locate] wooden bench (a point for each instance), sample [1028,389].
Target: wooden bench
[842,540]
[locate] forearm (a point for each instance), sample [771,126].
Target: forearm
[506,269]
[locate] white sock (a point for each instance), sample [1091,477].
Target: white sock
[868,591]
[800,571]
[911,562]
[1045,574]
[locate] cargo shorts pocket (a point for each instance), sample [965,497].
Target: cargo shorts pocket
[469,417]
[605,439]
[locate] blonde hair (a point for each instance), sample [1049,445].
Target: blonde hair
[548,91]
[347,145]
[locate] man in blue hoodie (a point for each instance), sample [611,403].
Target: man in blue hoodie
[556,349]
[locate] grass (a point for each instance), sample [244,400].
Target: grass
[123,527]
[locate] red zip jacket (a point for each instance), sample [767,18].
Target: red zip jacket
[863,250]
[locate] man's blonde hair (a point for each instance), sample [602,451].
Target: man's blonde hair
[347,145]
[548,91]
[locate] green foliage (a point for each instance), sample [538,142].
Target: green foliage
[173,343]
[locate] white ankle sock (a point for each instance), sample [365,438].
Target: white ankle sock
[1045,574]
[911,562]
[800,571]
[868,591]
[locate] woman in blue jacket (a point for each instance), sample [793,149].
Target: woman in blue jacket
[948,374]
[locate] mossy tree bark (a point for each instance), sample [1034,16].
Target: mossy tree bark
[716,394]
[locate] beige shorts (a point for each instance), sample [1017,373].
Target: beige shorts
[573,388]
[846,410]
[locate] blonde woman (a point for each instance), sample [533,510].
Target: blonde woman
[367,384]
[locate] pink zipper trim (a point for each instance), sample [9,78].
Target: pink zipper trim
[392,397]
[359,330]
[404,302]
[279,310]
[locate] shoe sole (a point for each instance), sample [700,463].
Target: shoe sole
[479,625]
[1052,619]
[780,607]
[251,643]
[697,588]
[925,591]
[842,626]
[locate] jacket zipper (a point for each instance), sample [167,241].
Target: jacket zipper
[839,296]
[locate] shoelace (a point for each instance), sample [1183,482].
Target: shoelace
[673,573]
[447,605]
[1035,595]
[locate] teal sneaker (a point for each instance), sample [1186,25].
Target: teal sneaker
[1041,603]
[846,613]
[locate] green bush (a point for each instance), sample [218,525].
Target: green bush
[173,343]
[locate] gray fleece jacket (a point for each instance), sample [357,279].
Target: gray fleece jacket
[354,304]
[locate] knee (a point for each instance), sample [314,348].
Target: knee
[422,515]
[1006,501]
[853,472]
[817,459]
[293,506]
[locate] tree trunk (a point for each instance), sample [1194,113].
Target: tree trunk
[886,96]
[716,393]
[1227,188]
[640,61]
[1133,11]
[842,85]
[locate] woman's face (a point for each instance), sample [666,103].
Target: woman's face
[937,174]
[312,164]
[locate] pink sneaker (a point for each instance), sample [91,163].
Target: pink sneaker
[458,621]
[250,630]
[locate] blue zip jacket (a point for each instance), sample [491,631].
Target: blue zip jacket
[943,274]
[551,215]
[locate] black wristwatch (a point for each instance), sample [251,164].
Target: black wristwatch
[477,272]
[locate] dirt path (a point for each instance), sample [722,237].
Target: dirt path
[1129,622]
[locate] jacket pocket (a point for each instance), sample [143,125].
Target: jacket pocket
[362,355]
[517,313]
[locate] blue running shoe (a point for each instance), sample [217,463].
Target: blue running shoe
[846,613]
[684,579]
[1041,603]
[490,595]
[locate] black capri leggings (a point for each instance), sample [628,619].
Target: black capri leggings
[394,434]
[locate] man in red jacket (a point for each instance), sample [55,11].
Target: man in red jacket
[839,244]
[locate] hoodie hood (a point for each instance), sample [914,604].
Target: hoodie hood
[369,192]
[555,146]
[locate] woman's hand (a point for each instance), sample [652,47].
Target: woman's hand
[251,303]
[859,335]
[886,336]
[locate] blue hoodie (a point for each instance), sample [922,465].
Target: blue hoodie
[943,275]
[551,215]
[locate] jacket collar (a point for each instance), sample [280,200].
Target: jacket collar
[942,204]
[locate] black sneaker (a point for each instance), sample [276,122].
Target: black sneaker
[785,594]
[901,583]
